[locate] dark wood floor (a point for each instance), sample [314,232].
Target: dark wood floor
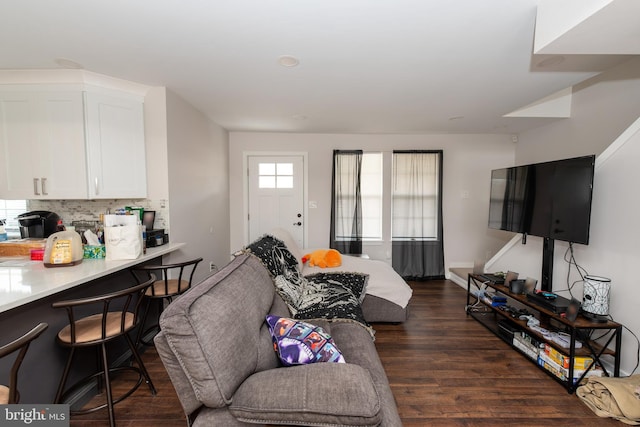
[445,370]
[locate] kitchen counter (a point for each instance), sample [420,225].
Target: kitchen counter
[20,247]
[23,281]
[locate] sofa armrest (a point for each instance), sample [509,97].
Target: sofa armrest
[316,394]
[186,395]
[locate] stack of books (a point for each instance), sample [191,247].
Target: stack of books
[527,344]
[558,364]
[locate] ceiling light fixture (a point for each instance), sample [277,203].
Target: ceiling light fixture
[288,61]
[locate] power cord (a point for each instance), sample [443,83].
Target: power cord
[637,346]
[637,350]
[479,295]
[604,334]
[570,259]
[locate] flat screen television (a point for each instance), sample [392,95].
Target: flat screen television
[551,200]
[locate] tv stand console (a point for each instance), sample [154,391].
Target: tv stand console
[497,320]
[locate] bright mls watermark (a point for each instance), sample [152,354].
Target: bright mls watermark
[34,415]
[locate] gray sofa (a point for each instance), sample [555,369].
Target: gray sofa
[217,349]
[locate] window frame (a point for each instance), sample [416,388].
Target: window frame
[432,193]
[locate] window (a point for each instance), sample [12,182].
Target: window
[371,198]
[275,175]
[9,210]
[415,196]
[371,190]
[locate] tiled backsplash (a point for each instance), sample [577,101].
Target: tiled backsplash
[90,210]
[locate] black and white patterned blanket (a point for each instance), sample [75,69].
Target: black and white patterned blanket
[332,296]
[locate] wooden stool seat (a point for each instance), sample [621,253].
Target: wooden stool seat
[171,288]
[4,395]
[89,329]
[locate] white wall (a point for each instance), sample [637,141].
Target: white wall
[155,136]
[468,160]
[198,185]
[603,108]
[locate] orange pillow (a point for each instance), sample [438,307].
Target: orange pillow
[323,258]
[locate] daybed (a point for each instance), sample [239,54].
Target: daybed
[387,294]
[218,351]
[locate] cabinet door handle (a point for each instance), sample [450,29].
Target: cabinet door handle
[44,186]
[35,186]
[96,185]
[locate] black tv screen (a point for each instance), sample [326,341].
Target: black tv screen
[550,199]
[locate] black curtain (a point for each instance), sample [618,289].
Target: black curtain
[346,202]
[417,241]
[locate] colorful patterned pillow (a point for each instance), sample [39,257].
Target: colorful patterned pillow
[300,343]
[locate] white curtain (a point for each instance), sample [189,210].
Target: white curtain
[346,202]
[417,215]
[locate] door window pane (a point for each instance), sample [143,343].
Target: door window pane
[285,182]
[266,169]
[284,168]
[275,175]
[267,182]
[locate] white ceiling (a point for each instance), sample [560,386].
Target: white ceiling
[366,66]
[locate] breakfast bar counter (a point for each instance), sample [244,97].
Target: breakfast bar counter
[27,291]
[23,281]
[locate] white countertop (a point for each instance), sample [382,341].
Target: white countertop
[23,281]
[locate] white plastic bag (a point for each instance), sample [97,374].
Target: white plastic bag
[122,237]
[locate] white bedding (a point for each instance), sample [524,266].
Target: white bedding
[383,281]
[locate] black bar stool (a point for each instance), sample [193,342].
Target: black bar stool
[10,395]
[164,288]
[116,315]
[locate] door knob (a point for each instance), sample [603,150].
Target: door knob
[297,223]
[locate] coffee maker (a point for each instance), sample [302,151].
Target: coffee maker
[38,224]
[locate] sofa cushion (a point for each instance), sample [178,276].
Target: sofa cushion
[217,330]
[300,343]
[327,394]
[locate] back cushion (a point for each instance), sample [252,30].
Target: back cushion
[217,329]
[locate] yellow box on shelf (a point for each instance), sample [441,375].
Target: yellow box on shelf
[579,362]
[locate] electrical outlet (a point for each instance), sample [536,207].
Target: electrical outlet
[212,267]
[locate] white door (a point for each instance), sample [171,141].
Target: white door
[276,196]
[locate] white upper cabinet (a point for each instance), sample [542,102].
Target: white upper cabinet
[42,145]
[116,157]
[71,145]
